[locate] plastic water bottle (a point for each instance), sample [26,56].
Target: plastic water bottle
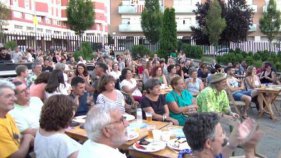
[139,115]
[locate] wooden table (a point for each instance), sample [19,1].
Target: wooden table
[273,92]
[81,135]
[165,153]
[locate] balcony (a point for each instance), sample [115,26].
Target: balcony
[136,9]
[184,27]
[127,9]
[253,28]
[130,28]
[254,7]
[184,10]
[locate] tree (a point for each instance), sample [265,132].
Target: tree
[151,21]
[4,15]
[168,37]
[238,17]
[215,24]
[270,21]
[80,15]
[200,15]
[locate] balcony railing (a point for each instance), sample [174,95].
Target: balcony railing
[130,28]
[184,27]
[186,9]
[253,28]
[133,9]
[254,7]
[127,9]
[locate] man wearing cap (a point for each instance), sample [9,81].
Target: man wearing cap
[214,98]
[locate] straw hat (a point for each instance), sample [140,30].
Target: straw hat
[217,77]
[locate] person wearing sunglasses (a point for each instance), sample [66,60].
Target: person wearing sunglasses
[106,130]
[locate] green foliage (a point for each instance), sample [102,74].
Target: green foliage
[237,14]
[11,45]
[215,24]
[168,37]
[80,15]
[85,51]
[139,51]
[5,13]
[255,59]
[270,21]
[192,51]
[151,21]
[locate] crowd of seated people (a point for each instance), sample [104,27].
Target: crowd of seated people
[115,86]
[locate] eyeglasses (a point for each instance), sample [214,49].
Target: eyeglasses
[122,119]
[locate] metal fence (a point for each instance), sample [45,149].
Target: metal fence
[70,43]
[247,46]
[51,41]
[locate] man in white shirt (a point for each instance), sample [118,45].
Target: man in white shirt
[17,55]
[106,130]
[27,110]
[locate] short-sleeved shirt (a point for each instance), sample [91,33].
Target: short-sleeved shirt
[97,150]
[58,145]
[210,100]
[120,101]
[10,136]
[130,85]
[182,100]
[27,116]
[193,87]
[83,107]
[157,106]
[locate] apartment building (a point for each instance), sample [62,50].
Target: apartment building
[49,17]
[126,16]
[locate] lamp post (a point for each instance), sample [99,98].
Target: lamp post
[35,22]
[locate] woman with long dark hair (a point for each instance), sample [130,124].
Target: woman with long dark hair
[81,71]
[56,84]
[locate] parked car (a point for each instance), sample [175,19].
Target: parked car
[222,51]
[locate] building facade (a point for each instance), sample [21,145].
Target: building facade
[126,16]
[49,17]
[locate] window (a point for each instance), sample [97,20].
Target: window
[47,21]
[48,31]
[26,4]
[29,28]
[39,29]
[15,3]
[126,21]
[18,27]
[17,14]
[56,32]
[28,17]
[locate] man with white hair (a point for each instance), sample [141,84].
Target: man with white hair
[106,130]
[11,144]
